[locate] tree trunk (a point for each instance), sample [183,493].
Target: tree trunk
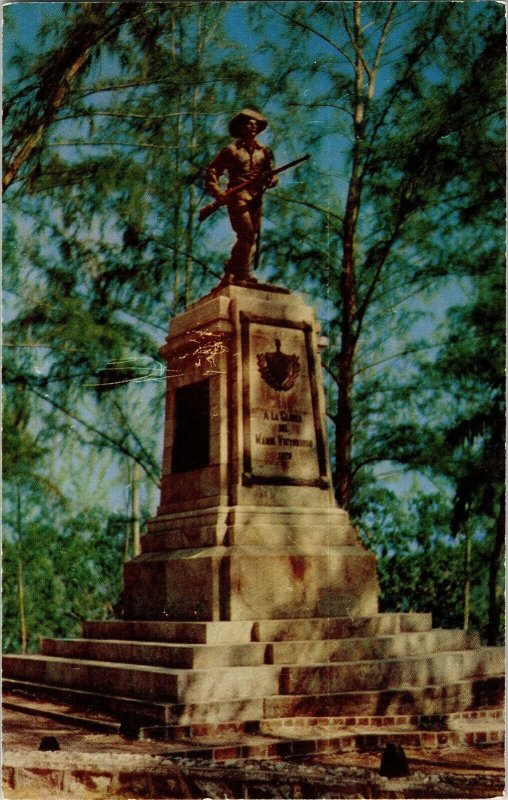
[351,318]
[71,65]
[136,523]
[21,584]
[467,575]
[177,211]
[343,432]
[495,595]
[22,611]
[348,291]
[192,207]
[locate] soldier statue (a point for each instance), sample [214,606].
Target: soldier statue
[246,161]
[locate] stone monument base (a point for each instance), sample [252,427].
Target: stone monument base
[193,678]
[253,603]
[267,563]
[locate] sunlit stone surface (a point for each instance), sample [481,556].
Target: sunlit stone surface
[253,532]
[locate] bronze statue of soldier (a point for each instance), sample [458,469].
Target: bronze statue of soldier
[244,161]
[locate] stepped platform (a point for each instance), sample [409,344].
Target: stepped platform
[250,617]
[381,676]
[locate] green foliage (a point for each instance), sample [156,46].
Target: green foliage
[420,565]
[70,567]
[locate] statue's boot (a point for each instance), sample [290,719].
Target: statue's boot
[238,265]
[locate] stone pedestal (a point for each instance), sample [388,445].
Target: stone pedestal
[252,607]
[247,526]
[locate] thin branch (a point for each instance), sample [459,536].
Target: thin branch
[308,28]
[401,82]
[352,39]
[287,199]
[174,248]
[30,344]
[124,115]
[398,391]
[365,462]
[405,466]
[119,445]
[114,87]
[363,353]
[402,353]
[383,36]
[321,105]
[60,90]
[80,143]
[26,298]
[381,261]
[327,368]
[390,289]
[124,419]
[141,319]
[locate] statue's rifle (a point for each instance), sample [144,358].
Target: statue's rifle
[211,208]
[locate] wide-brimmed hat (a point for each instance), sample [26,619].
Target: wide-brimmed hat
[246,113]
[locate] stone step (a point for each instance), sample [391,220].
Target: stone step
[151,712]
[152,682]
[363,739]
[304,726]
[64,712]
[238,632]
[436,722]
[464,696]
[243,631]
[319,679]
[224,747]
[339,627]
[232,683]
[161,654]
[203,656]
[62,715]
[289,737]
[322,741]
[369,647]
[236,741]
[450,697]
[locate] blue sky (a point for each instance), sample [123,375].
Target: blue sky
[25,18]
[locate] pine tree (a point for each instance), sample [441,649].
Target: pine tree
[417,155]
